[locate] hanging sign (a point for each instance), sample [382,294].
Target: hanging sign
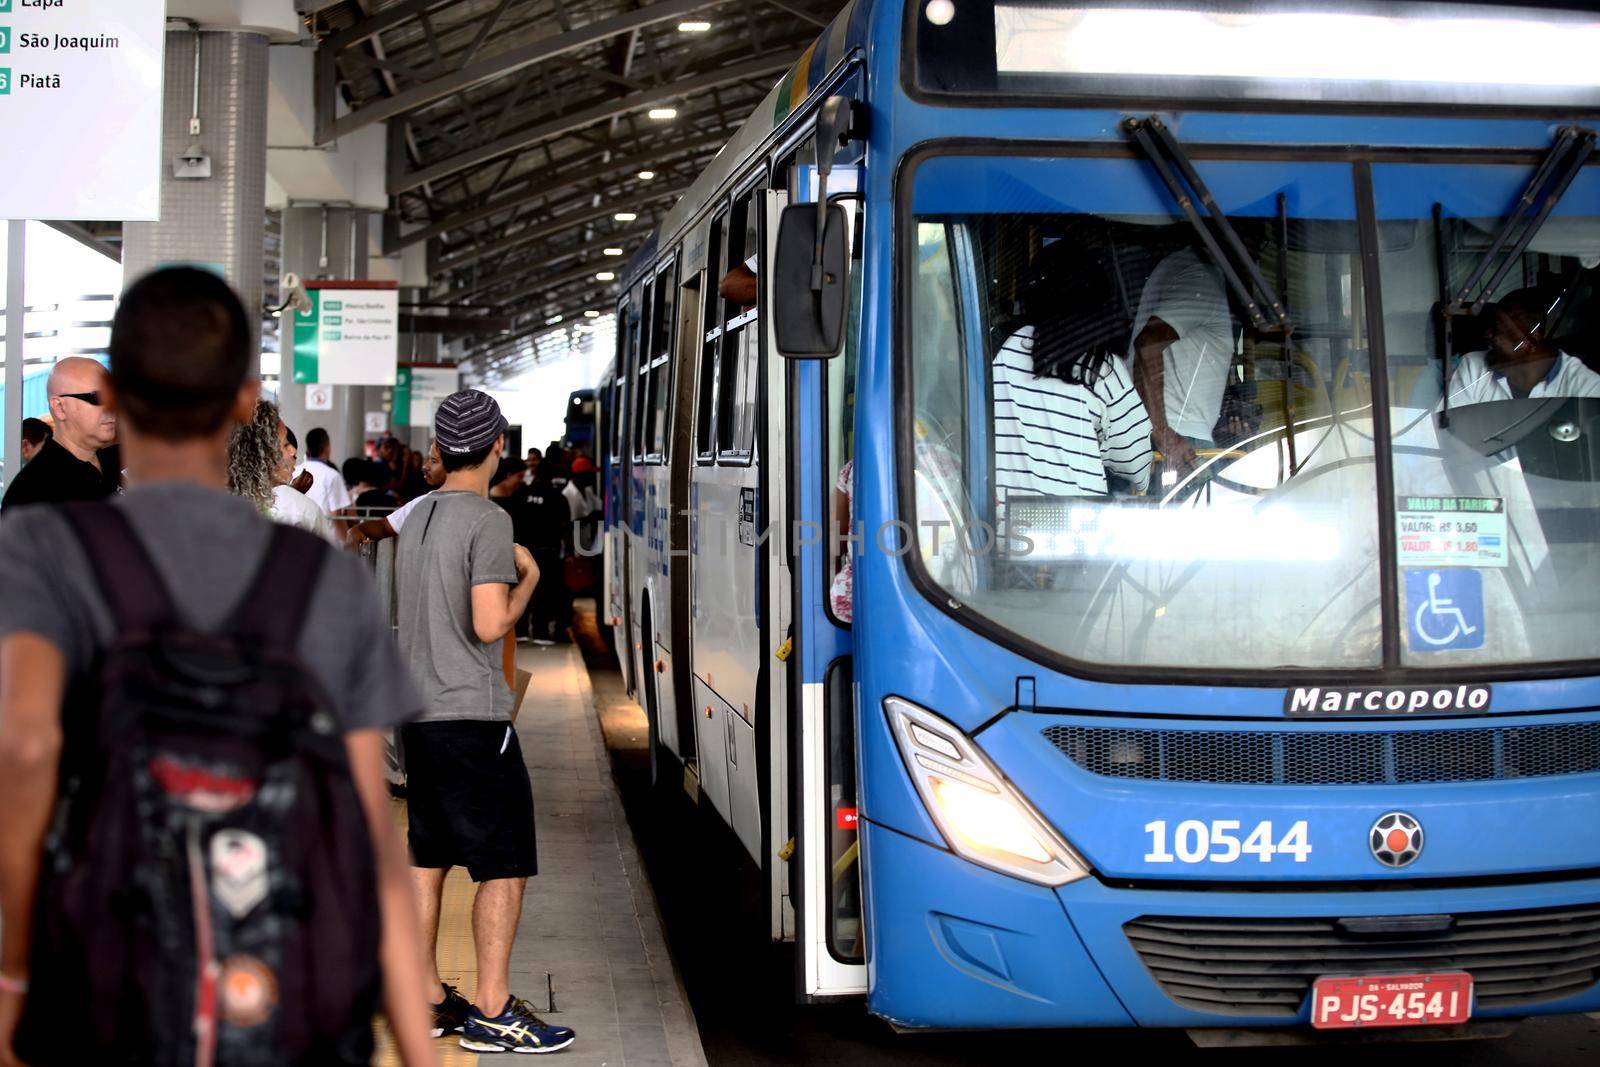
[80,108]
[419,389]
[349,336]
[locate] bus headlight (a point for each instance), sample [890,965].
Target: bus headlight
[981,816]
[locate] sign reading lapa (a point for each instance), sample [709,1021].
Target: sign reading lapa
[350,336]
[80,108]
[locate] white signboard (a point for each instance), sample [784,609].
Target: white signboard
[350,336]
[319,398]
[429,387]
[80,108]
[1452,531]
[377,421]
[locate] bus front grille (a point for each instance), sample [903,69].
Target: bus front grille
[1265,967]
[1327,757]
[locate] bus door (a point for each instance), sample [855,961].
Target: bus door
[820,414]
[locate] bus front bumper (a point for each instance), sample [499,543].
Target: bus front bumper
[955,945]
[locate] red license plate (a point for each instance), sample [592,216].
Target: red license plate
[1391,1000]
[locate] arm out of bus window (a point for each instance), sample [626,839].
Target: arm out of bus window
[496,606]
[1149,377]
[33,676]
[405,992]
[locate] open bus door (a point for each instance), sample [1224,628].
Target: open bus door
[823,871]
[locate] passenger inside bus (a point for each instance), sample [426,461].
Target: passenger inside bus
[741,284]
[1067,418]
[1521,362]
[1183,345]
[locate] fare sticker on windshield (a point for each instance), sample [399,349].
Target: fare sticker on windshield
[1452,531]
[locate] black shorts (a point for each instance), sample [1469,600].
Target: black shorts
[468,799]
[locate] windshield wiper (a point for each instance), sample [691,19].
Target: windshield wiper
[1165,155]
[1550,181]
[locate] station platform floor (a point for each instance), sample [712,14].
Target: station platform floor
[590,952]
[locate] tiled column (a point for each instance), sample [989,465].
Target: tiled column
[217,221]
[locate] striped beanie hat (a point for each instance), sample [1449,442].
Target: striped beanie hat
[467,421]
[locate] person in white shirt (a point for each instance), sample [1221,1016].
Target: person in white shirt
[390,524]
[1182,349]
[289,505]
[1520,361]
[328,490]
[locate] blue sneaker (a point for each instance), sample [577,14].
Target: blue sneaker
[515,1029]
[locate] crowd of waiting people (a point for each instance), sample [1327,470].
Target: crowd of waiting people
[199,861]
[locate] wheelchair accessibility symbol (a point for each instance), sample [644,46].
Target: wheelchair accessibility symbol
[1444,609]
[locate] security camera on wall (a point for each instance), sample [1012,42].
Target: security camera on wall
[295,296]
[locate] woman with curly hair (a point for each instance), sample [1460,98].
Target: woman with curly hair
[254,456]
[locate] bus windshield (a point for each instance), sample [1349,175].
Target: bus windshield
[1108,461]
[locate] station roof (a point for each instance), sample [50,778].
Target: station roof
[519,129]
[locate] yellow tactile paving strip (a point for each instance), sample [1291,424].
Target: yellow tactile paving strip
[457,964]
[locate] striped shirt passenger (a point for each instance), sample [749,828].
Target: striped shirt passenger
[1053,437]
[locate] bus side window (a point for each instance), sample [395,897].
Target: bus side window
[640,343]
[664,314]
[740,342]
[627,368]
[710,342]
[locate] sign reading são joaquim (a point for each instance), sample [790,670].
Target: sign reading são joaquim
[91,68]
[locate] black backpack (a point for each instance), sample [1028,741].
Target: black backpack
[208,893]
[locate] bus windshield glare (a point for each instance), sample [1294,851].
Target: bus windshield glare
[1111,463]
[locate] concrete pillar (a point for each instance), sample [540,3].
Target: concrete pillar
[324,242]
[216,221]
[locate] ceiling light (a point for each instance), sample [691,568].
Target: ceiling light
[591,314]
[613,251]
[694,26]
[552,320]
[605,276]
[662,113]
[646,175]
[625,216]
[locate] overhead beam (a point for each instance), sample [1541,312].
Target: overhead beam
[509,63]
[541,184]
[378,21]
[540,230]
[401,183]
[457,325]
[513,274]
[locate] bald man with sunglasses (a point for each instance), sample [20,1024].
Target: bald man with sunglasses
[80,461]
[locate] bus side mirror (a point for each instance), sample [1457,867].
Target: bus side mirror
[809,304]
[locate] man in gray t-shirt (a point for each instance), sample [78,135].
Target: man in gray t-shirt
[462,584]
[454,542]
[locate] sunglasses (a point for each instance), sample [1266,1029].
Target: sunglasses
[92,399]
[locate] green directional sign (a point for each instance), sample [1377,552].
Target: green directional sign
[349,336]
[402,396]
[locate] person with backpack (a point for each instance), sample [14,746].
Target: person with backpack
[462,582]
[197,862]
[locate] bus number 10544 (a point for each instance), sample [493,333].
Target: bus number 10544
[1223,841]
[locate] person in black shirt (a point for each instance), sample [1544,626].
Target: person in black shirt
[35,432]
[80,462]
[547,518]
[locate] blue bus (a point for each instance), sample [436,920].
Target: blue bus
[1104,501]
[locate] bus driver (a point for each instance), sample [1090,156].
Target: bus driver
[1520,362]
